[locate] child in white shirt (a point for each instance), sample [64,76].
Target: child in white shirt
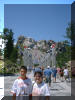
[39,87]
[22,87]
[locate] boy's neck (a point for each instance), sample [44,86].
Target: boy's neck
[23,77]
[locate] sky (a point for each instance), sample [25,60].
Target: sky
[42,24]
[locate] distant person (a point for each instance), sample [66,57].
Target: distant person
[42,68]
[54,73]
[61,74]
[33,69]
[40,89]
[66,73]
[58,72]
[22,87]
[47,75]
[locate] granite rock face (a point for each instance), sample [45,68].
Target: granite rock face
[37,52]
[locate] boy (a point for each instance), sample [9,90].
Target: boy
[39,87]
[22,87]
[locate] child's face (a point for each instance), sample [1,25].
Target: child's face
[23,72]
[38,78]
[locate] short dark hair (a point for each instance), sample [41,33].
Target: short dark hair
[38,73]
[23,67]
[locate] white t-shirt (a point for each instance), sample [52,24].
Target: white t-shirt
[40,89]
[66,72]
[22,87]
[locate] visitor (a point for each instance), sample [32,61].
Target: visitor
[61,74]
[47,75]
[39,87]
[54,73]
[66,73]
[22,87]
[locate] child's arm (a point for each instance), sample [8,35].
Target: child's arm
[14,96]
[47,92]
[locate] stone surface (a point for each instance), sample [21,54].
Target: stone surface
[57,89]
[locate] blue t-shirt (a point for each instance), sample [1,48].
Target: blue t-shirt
[47,72]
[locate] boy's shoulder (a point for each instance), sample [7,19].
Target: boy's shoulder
[27,79]
[15,81]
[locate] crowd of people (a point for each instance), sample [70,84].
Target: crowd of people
[63,74]
[23,88]
[52,72]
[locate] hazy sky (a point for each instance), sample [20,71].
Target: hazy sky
[3,2]
[38,21]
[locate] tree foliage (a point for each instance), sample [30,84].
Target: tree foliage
[63,56]
[10,50]
[9,43]
[70,34]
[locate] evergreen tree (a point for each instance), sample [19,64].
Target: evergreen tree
[9,43]
[70,34]
[64,54]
